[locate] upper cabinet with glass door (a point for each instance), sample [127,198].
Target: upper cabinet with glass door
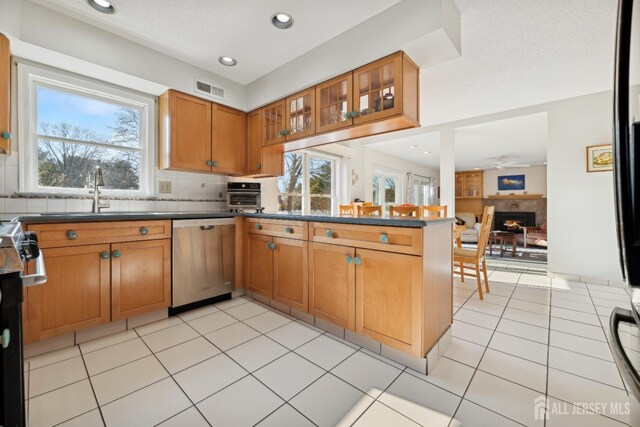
[334,101]
[385,88]
[300,120]
[274,126]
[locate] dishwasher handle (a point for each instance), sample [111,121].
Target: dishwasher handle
[207,227]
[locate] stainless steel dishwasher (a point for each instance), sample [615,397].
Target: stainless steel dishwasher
[203,259]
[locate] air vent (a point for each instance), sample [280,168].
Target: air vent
[209,89]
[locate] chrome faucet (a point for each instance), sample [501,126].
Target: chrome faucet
[98,182]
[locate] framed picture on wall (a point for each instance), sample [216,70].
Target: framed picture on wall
[510,182]
[599,158]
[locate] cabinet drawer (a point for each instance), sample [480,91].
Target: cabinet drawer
[90,233]
[403,240]
[278,228]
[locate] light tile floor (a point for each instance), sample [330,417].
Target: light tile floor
[239,363]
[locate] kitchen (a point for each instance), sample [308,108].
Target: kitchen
[202,252]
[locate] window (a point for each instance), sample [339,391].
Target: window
[387,190]
[71,125]
[308,184]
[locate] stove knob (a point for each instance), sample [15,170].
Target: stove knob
[30,250]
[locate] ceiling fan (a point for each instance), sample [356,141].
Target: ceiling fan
[501,163]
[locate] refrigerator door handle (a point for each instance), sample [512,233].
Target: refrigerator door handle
[629,373]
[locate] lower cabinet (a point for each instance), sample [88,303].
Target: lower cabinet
[277,269]
[332,291]
[75,296]
[389,297]
[140,277]
[91,284]
[291,278]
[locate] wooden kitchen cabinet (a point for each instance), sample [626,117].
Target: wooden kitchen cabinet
[262,161]
[140,277]
[259,262]
[385,88]
[290,281]
[75,296]
[332,293]
[334,103]
[299,114]
[388,298]
[98,272]
[274,127]
[184,137]
[229,147]
[5,95]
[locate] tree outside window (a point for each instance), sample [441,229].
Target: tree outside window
[308,184]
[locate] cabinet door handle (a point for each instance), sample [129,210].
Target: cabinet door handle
[273,246]
[5,338]
[116,254]
[5,135]
[104,255]
[71,235]
[144,231]
[215,163]
[329,233]
[354,114]
[347,114]
[288,230]
[209,163]
[258,226]
[384,238]
[357,261]
[349,259]
[259,166]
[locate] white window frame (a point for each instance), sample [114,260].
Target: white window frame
[30,78]
[306,192]
[382,173]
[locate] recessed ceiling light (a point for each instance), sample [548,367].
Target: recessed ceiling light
[427,152]
[282,20]
[477,169]
[413,146]
[227,60]
[103,6]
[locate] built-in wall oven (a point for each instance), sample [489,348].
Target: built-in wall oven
[244,196]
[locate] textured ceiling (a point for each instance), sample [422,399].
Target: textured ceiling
[200,31]
[517,53]
[520,139]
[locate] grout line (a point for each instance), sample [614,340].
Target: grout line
[95,396]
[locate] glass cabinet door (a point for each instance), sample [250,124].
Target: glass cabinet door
[273,123]
[473,185]
[459,185]
[378,89]
[334,103]
[300,121]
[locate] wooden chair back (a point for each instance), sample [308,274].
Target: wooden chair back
[370,210]
[347,210]
[403,210]
[433,211]
[367,203]
[485,229]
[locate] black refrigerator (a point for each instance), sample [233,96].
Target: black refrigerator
[625,321]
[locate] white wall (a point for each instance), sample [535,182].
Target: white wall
[535,180]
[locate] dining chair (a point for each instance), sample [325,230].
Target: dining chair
[369,210]
[403,211]
[347,210]
[433,211]
[367,203]
[469,260]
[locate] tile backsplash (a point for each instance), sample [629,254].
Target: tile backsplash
[189,192]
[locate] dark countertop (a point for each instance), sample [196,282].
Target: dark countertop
[50,218]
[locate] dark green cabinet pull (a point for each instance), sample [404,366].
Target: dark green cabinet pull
[209,163]
[116,254]
[258,226]
[288,230]
[104,255]
[271,246]
[357,261]
[215,164]
[354,114]
[349,259]
[259,166]
[329,233]
[71,235]
[347,114]
[144,231]
[6,135]
[384,238]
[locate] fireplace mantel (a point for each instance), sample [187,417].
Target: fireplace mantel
[516,196]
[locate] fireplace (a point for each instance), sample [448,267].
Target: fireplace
[513,221]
